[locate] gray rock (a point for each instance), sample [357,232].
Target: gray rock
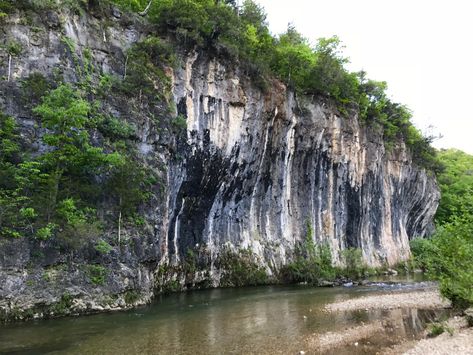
[325,283]
[52,20]
[469,316]
[116,13]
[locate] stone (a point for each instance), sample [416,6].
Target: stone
[325,283]
[469,316]
[116,13]
[35,39]
[52,20]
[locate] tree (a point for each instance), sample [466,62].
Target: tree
[328,76]
[456,185]
[18,181]
[129,188]
[448,258]
[71,156]
[293,59]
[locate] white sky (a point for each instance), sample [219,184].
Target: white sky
[423,49]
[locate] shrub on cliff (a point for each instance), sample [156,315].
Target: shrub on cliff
[241,269]
[312,263]
[241,33]
[57,193]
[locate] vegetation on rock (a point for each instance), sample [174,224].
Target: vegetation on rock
[448,255]
[241,33]
[313,263]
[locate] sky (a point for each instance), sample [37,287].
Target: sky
[422,49]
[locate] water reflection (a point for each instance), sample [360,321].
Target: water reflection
[262,320]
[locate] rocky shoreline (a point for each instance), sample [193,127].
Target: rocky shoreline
[456,338]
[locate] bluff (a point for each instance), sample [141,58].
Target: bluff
[252,174]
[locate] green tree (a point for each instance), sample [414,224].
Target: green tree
[71,157]
[456,185]
[448,258]
[293,59]
[18,182]
[328,76]
[11,197]
[129,188]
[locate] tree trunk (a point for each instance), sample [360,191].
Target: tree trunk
[126,62]
[9,66]
[53,194]
[145,11]
[120,223]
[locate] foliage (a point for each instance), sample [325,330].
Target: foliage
[180,123]
[129,188]
[293,59]
[96,274]
[242,33]
[34,87]
[355,267]
[116,129]
[14,48]
[76,6]
[456,185]
[448,255]
[435,329]
[63,306]
[46,232]
[72,157]
[448,258]
[241,269]
[12,182]
[144,76]
[56,194]
[103,247]
[328,75]
[133,5]
[312,264]
[6,7]
[131,297]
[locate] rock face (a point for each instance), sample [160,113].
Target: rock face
[256,171]
[262,169]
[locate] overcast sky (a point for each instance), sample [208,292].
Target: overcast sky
[423,49]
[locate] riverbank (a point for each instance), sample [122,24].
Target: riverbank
[457,336]
[428,299]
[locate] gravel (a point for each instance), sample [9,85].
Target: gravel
[461,342]
[420,299]
[330,340]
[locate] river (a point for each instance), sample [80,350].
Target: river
[270,319]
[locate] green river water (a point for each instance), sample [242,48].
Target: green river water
[259,320]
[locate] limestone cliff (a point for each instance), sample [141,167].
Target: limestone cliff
[253,171]
[263,167]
